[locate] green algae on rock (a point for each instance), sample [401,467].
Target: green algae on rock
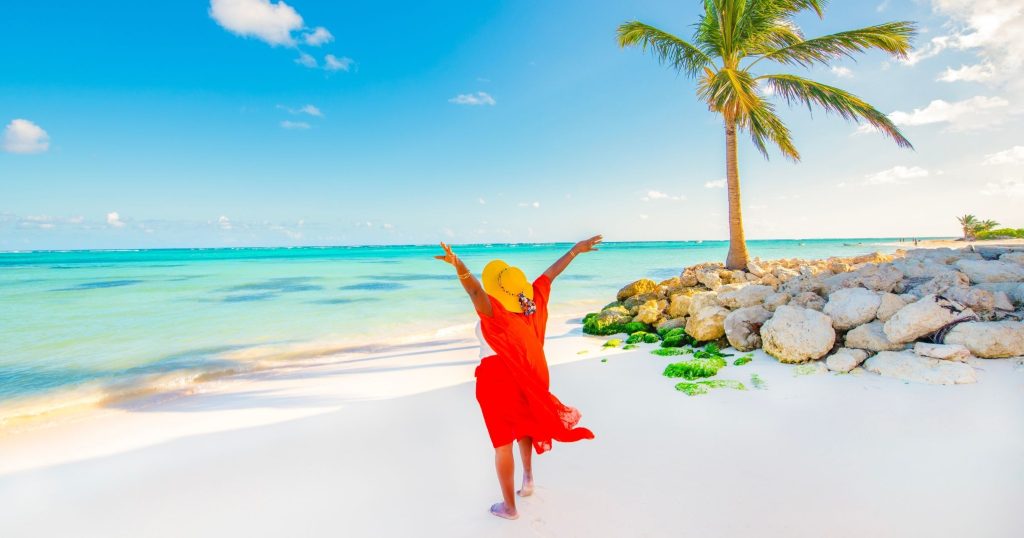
[614,342]
[743,360]
[627,347]
[703,387]
[672,351]
[695,368]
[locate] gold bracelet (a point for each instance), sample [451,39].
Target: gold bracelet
[463,276]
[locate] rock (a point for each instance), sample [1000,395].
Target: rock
[649,312]
[784,274]
[701,300]
[922,268]
[796,334]
[850,307]
[810,368]
[989,339]
[889,304]
[688,278]
[1002,301]
[633,303]
[949,352]
[977,299]
[743,327]
[923,317]
[755,268]
[883,277]
[1013,290]
[670,324]
[750,295]
[775,300]
[845,359]
[614,314]
[707,324]
[710,279]
[644,285]
[679,306]
[871,337]
[1013,257]
[980,271]
[808,299]
[910,367]
[770,280]
[938,284]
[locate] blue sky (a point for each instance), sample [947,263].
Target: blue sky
[196,124]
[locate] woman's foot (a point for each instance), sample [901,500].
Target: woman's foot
[500,510]
[527,486]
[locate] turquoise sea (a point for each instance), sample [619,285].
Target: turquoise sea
[82,324]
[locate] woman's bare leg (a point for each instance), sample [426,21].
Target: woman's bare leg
[526,451]
[506,468]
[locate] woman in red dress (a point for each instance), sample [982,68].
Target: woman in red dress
[512,384]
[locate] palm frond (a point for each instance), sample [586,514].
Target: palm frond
[891,37]
[794,89]
[669,49]
[765,126]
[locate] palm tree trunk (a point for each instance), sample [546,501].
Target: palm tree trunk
[737,257]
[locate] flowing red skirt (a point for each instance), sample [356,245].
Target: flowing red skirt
[512,412]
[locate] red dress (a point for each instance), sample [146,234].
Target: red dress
[512,386]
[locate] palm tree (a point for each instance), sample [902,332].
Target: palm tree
[969,225]
[733,36]
[986,225]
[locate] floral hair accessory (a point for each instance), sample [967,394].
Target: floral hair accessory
[529,307]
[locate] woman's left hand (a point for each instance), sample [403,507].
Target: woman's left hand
[588,244]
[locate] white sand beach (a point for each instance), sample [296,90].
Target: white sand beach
[392,444]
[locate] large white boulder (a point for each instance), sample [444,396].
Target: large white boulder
[743,327]
[699,301]
[871,337]
[989,339]
[710,278]
[845,359]
[889,304]
[775,300]
[751,295]
[1013,290]
[796,334]
[907,366]
[924,317]
[949,352]
[850,307]
[707,324]
[980,271]
[808,299]
[940,283]
[1016,256]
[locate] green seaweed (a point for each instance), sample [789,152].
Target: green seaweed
[651,338]
[703,387]
[636,337]
[604,360]
[614,342]
[671,351]
[757,382]
[583,352]
[808,368]
[593,325]
[627,347]
[743,360]
[677,338]
[710,351]
[695,368]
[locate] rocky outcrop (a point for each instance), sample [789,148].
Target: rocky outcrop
[989,340]
[907,366]
[743,327]
[796,334]
[923,317]
[808,299]
[889,304]
[845,359]
[650,312]
[850,307]
[751,295]
[984,271]
[679,306]
[699,301]
[871,337]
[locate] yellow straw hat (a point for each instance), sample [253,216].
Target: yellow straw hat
[505,282]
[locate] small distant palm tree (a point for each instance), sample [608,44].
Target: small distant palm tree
[986,225]
[969,225]
[733,36]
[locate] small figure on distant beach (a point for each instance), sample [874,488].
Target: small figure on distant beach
[512,383]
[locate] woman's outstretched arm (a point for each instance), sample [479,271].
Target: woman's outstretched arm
[579,248]
[469,282]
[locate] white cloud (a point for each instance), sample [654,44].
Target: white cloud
[1006,187]
[973,113]
[306,60]
[113,219]
[333,63]
[895,175]
[1013,155]
[271,22]
[969,73]
[716,184]
[481,200]
[224,223]
[23,136]
[317,37]
[294,124]
[480,98]
[658,195]
[307,109]
[841,72]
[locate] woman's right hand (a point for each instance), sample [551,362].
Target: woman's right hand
[449,256]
